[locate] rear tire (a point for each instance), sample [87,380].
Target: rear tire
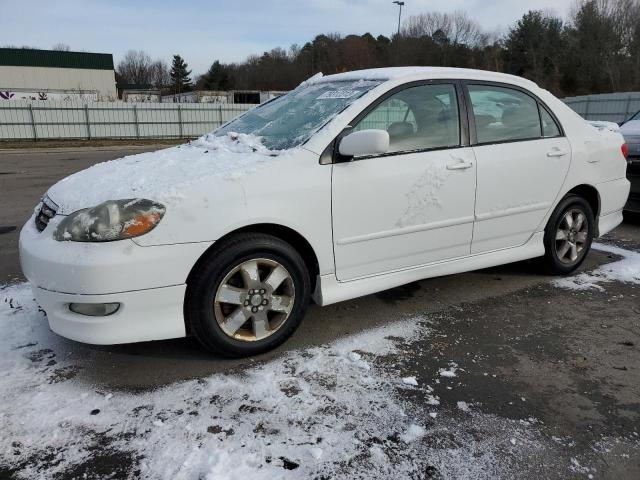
[568,235]
[247,296]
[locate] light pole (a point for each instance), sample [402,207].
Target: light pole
[400,4]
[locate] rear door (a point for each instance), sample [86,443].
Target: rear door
[522,159]
[413,205]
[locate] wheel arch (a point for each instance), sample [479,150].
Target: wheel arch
[287,234]
[592,196]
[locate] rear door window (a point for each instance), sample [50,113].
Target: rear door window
[504,114]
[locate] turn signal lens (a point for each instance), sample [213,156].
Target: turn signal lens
[141,224]
[625,150]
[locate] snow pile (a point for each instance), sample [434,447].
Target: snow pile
[410,381]
[413,433]
[164,174]
[450,372]
[626,270]
[233,142]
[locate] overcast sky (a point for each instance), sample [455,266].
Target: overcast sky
[202,31]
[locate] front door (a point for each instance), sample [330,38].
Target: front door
[415,204]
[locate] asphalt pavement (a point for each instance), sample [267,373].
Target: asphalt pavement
[574,356]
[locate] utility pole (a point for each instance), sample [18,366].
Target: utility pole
[400,4]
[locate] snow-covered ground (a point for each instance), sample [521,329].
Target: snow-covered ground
[626,270]
[340,410]
[326,411]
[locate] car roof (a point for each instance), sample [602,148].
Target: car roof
[424,73]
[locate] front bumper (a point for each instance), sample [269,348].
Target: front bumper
[154,314]
[148,282]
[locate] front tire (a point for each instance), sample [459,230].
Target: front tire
[248,295]
[568,236]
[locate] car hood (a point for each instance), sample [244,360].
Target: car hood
[166,175]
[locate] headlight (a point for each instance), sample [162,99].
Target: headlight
[112,220]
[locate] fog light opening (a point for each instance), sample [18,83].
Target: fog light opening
[94,309]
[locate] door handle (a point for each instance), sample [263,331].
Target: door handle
[459,166]
[556,152]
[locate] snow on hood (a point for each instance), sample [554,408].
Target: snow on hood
[165,174]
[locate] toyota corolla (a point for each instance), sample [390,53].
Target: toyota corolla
[348,185]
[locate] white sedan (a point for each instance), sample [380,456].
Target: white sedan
[348,185]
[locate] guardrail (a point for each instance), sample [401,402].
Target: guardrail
[68,120]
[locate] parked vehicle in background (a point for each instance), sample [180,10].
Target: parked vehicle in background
[348,185]
[631,132]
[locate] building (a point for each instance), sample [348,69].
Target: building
[138,93]
[228,97]
[29,74]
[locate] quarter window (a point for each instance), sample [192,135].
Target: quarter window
[417,118]
[504,114]
[549,126]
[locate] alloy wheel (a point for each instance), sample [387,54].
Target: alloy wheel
[254,300]
[571,236]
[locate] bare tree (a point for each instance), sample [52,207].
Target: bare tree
[61,47]
[159,74]
[135,67]
[456,27]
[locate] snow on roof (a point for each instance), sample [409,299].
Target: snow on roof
[395,73]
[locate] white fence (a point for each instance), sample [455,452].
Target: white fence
[101,120]
[614,107]
[24,120]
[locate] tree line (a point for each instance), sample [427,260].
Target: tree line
[596,49]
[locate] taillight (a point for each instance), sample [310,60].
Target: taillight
[625,150]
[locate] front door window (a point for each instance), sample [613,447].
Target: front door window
[424,117]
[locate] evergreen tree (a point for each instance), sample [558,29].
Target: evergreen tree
[535,48]
[216,78]
[180,76]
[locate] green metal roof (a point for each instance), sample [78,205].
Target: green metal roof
[26,57]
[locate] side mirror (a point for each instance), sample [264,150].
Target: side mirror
[364,142]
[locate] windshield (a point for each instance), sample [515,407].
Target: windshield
[288,121]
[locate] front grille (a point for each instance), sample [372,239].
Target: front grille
[46,211]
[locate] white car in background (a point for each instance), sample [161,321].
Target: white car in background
[348,185]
